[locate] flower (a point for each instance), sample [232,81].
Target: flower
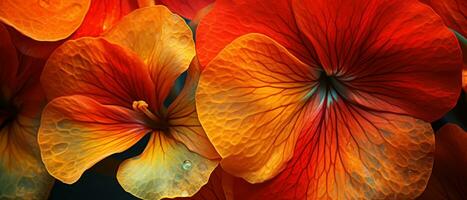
[107,93]
[185,8]
[22,174]
[326,99]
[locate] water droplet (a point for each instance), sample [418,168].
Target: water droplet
[187,165]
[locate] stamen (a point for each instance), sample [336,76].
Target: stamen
[142,106]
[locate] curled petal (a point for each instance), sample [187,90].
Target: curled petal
[76,132]
[161,39]
[166,169]
[453,13]
[44,20]
[250,101]
[96,68]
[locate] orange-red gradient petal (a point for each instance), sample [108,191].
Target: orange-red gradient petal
[102,15]
[449,177]
[250,101]
[453,13]
[383,57]
[93,67]
[231,19]
[166,169]
[76,132]
[185,8]
[219,187]
[162,40]
[183,118]
[44,20]
[276,110]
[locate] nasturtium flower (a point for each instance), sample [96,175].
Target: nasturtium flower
[454,15]
[100,17]
[44,20]
[107,93]
[326,98]
[449,177]
[22,174]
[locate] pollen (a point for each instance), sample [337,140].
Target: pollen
[142,106]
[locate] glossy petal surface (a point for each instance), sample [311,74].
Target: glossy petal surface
[256,115]
[186,8]
[161,39]
[231,19]
[165,169]
[383,57]
[44,20]
[183,118]
[95,68]
[449,177]
[76,132]
[278,111]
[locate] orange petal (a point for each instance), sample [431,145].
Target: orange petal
[43,20]
[76,132]
[183,118]
[449,177]
[274,117]
[161,39]
[219,187]
[9,61]
[96,68]
[166,169]
[186,8]
[249,101]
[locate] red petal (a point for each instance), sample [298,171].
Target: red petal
[229,20]
[449,177]
[453,13]
[9,61]
[407,62]
[186,8]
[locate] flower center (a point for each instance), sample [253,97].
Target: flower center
[154,122]
[330,88]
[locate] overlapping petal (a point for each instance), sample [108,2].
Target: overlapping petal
[93,67]
[251,102]
[165,169]
[101,16]
[382,55]
[44,20]
[183,118]
[448,180]
[453,13]
[186,8]
[231,19]
[162,40]
[76,132]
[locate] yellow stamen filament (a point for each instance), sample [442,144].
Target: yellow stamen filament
[142,106]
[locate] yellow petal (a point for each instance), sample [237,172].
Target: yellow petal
[250,104]
[44,20]
[162,40]
[166,169]
[76,132]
